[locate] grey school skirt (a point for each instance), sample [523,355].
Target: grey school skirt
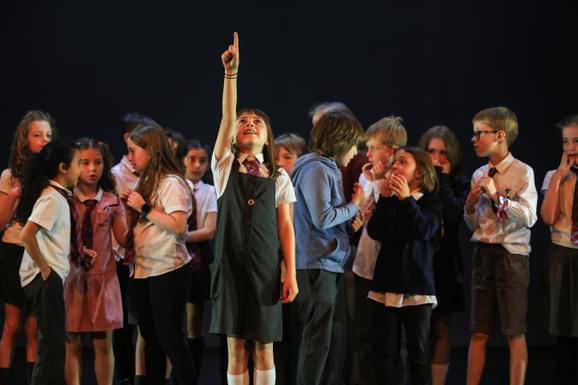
[561,291]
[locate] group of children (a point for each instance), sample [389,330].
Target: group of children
[269,245]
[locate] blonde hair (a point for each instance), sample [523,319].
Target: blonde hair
[389,130]
[500,119]
[292,143]
[20,152]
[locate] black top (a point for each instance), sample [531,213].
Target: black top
[409,232]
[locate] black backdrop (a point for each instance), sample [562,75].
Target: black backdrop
[429,62]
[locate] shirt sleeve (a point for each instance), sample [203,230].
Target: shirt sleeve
[175,196]
[284,191]
[45,212]
[211,199]
[473,220]
[523,209]
[547,179]
[221,170]
[5,185]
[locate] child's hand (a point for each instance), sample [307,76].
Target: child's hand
[565,163]
[357,197]
[378,171]
[366,170]
[230,57]
[488,185]
[399,186]
[134,200]
[290,289]
[472,199]
[89,254]
[386,190]
[367,209]
[45,273]
[358,222]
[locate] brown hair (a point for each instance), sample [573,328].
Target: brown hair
[107,181]
[453,151]
[326,107]
[268,148]
[571,120]
[500,119]
[390,130]
[292,143]
[162,159]
[20,151]
[334,134]
[428,178]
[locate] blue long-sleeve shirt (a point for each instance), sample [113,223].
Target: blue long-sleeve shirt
[321,214]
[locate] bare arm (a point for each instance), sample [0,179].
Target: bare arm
[119,228]
[8,206]
[28,238]
[175,222]
[205,233]
[550,206]
[287,241]
[230,59]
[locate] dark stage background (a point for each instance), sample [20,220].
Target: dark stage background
[430,62]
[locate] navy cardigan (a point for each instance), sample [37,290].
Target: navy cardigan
[409,232]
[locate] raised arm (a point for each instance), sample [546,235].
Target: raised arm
[550,207]
[230,59]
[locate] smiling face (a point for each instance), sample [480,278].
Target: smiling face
[92,167]
[39,134]
[251,132]
[138,157]
[196,164]
[570,142]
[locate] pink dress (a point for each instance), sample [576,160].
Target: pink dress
[93,298]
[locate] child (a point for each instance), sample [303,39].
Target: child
[47,236]
[34,131]
[156,243]
[322,218]
[383,138]
[196,164]
[288,147]
[444,150]
[92,295]
[254,200]
[558,212]
[500,209]
[407,222]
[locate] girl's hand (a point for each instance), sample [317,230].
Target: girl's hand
[290,289]
[45,273]
[134,200]
[89,254]
[366,170]
[358,222]
[446,167]
[565,164]
[386,190]
[399,186]
[230,57]
[357,197]
[472,199]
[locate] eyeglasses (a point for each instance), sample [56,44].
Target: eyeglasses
[478,134]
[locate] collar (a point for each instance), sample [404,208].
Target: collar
[242,156]
[503,165]
[81,197]
[57,185]
[197,185]
[126,164]
[417,195]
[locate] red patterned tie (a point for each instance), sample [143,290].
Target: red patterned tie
[252,166]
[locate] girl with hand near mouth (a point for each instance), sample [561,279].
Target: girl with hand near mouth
[254,217]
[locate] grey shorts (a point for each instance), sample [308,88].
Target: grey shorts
[499,287]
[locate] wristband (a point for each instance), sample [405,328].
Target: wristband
[144,211]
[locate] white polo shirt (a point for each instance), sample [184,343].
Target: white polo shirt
[12,229]
[52,213]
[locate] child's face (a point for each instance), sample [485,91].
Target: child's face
[437,151]
[251,133]
[196,164]
[71,175]
[92,166]
[39,134]
[285,159]
[485,139]
[138,157]
[379,152]
[404,165]
[345,159]
[570,142]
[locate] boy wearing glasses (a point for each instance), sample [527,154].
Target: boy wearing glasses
[500,209]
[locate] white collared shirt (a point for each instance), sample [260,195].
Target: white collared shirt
[52,213]
[562,228]
[284,192]
[13,228]
[206,200]
[124,176]
[514,180]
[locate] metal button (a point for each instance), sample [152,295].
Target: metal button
[251,202]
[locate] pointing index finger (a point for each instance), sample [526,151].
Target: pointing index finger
[236,39]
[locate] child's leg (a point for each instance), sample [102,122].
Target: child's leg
[264,373]
[416,321]
[31,329]
[103,357]
[388,351]
[12,321]
[477,357]
[238,359]
[518,359]
[440,332]
[73,366]
[139,363]
[195,337]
